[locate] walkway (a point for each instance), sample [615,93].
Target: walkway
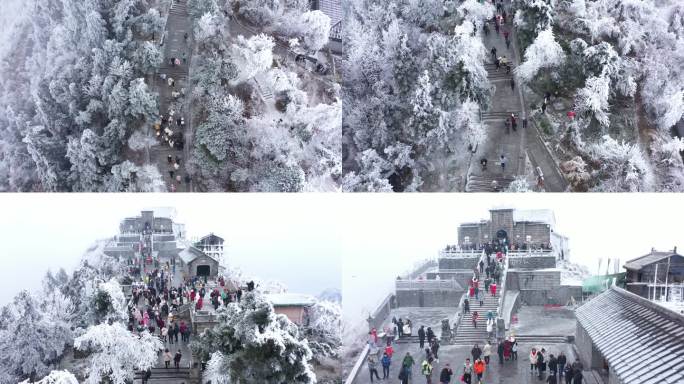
[175,45]
[466,333]
[515,146]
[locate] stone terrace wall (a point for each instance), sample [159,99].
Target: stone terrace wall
[468,263]
[532,262]
[428,298]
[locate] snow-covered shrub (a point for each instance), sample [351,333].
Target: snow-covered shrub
[623,167]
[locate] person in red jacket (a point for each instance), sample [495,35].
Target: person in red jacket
[479,368]
[492,287]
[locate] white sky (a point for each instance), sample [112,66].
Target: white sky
[288,237]
[385,235]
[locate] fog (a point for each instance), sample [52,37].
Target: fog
[384,236]
[288,238]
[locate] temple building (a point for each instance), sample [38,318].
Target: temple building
[630,340]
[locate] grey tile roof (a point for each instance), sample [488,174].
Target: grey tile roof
[645,260]
[642,342]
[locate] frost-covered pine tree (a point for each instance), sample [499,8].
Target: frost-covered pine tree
[253,344]
[543,53]
[115,353]
[251,56]
[324,331]
[33,340]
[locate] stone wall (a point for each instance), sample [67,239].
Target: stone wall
[428,298]
[591,358]
[560,295]
[532,262]
[485,231]
[532,280]
[468,263]
[462,275]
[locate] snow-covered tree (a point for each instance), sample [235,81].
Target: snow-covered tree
[33,340]
[56,377]
[251,343]
[128,177]
[623,167]
[109,302]
[592,100]
[251,56]
[324,332]
[115,353]
[315,29]
[372,177]
[543,53]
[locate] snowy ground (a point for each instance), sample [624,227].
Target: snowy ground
[538,320]
[515,372]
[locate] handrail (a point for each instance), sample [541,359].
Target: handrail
[357,366]
[502,288]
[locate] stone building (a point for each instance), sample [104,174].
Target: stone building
[522,228]
[196,263]
[630,340]
[211,245]
[293,305]
[153,233]
[647,275]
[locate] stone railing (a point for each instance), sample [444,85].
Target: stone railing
[357,366]
[530,252]
[502,288]
[434,285]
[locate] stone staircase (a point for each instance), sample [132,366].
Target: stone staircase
[500,116]
[494,74]
[483,183]
[164,375]
[466,334]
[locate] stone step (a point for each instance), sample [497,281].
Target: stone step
[478,183]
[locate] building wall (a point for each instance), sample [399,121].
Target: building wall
[676,271]
[591,358]
[484,232]
[532,262]
[428,298]
[295,314]
[192,266]
[560,295]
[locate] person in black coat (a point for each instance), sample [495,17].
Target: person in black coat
[476,352]
[421,336]
[577,378]
[445,375]
[466,306]
[561,363]
[553,365]
[500,352]
[430,335]
[568,372]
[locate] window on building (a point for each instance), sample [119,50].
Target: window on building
[466,239]
[528,238]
